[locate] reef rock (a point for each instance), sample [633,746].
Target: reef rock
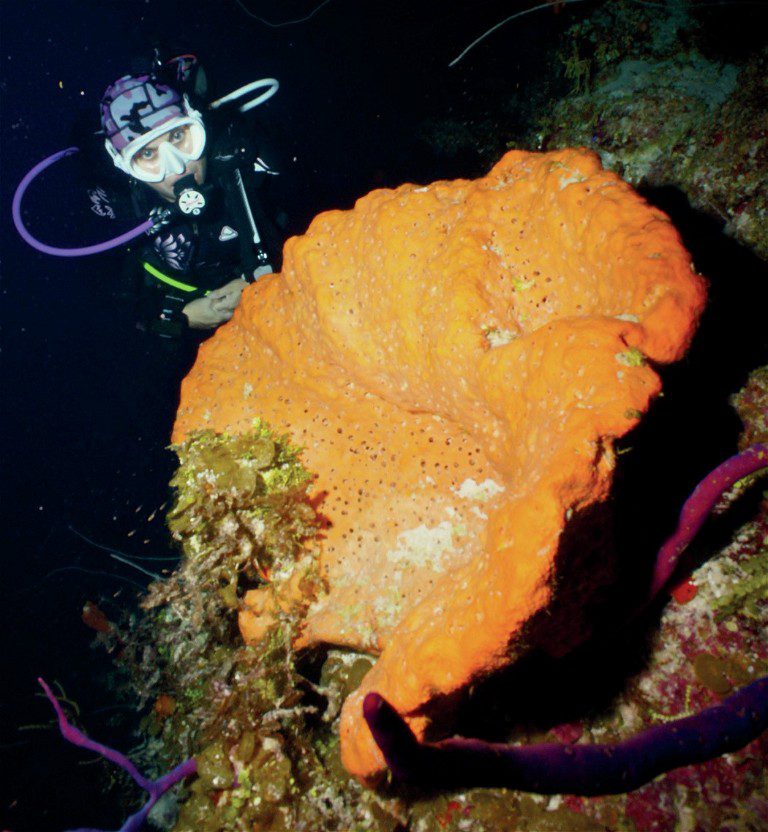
[456,361]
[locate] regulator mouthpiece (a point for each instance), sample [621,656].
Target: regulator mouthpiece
[190,198]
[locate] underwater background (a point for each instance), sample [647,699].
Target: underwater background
[673,96]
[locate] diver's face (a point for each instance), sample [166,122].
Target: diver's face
[149,160]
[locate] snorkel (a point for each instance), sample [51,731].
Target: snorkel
[134,130]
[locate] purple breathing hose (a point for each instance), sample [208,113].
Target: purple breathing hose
[64,252]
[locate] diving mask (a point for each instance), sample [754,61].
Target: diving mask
[181,140]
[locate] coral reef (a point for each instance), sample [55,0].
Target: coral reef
[642,86]
[413,496]
[662,113]
[457,361]
[267,760]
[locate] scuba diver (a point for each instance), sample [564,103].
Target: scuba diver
[199,184]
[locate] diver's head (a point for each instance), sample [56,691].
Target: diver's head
[153,133]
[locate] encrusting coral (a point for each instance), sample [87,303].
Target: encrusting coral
[456,362]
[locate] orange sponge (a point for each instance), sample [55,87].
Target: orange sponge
[456,361]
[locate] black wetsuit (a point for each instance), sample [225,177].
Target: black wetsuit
[234,237]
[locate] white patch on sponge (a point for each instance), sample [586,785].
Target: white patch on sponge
[482,491]
[423,546]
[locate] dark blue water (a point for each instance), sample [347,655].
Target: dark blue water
[87,401]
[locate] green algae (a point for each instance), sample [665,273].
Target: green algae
[213,767]
[751,403]
[632,357]
[748,589]
[712,672]
[265,737]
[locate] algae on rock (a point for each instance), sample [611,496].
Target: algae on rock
[261,732]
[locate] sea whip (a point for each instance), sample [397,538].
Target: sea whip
[154,788]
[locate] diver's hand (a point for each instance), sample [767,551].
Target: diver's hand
[226,297]
[204,314]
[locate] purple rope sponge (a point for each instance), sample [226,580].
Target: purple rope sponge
[592,769]
[698,506]
[551,768]
[154,788]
